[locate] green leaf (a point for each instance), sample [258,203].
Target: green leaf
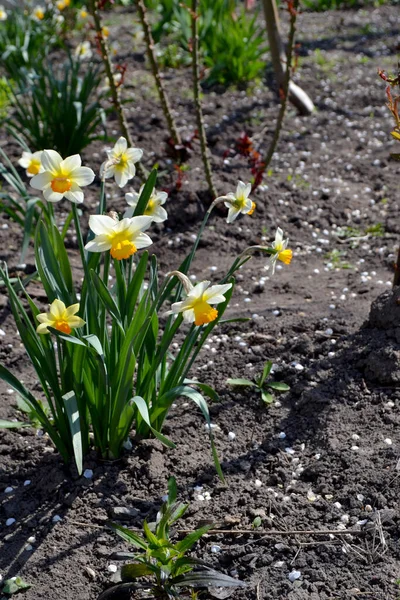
[106,297]
[12,424]
[14,585]
[133,571]
[146,193]
[144,413]
[189,541]
[267,397]
[71,408]
[207,578]
[129,536]
[243,382]
[67,337]
[172,490]
[206,389]
[279,386]
[266,372]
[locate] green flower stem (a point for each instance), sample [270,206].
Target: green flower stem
[121,286]
[114,88]
[197,101]
[89,312]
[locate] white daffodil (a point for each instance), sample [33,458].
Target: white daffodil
[62,178]
[154,207]
[38,13]
[83,13]
[196,307]
[123,238]
[238,202]
[121,162]
[3,14]
[60,317]
[83,51]
[283,253]
[31,162]
[63,4]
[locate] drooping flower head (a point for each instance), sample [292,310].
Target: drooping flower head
[239,202]
[196,307]
[60,317]
[62,4]
[154,207]
[121,162]
[31,162]
[62,178]
[283,253]
[123,238]
[3,14]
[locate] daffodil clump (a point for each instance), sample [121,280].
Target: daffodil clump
[101,350]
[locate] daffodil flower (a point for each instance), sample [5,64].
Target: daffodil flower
[60,317]
[38,13]
[238,202]
[31,162]
[282,252]
[196,307]
[83,13]
[83,50]
[123,238]
[62,178]
[154,207]
[62,4]
[121,162]
[3,14]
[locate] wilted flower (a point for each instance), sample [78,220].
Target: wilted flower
[121,162]
[282,253]
[154,207]
[239,202]
[31,162]
[196,307]
[83,50]
[3,14]
[38,13]
[123,238]
[60,317]
[62,178]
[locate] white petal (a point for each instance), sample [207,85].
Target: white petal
[142,240]
[51,196]
[97,246]
[132,198]
[160,215]
[161,197]
[232,214]
[120,146]
[215,293]
[140,223]
[177,307]
[121,178]
[243,189]
[40,181]
[51,161]
[128,214]
[71,163]
[25,159]
[101,224]
[75,194]
[248,205]
[278,236]
[82,176]
[198,290]
[134,154]
[189,316]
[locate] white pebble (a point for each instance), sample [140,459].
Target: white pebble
[355,437]
[10,522]
[27,482]
[289,451]
[231,436]
[337,505]
[293,575]
[88,473]
[56,519]
[31,539]
[215,549]
[112,568]
[388,441]
[8,490]
[282,435]
[258,483]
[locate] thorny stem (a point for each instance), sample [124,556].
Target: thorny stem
[197,102]
[114,88]
[285,88]
[156,72]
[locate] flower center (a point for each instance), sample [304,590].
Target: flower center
[239,202]
[62,326]
[39,14]
[285,256]
[204,313]
[121,246]
[150,208]
[122,162]
[61,185]
[34,167]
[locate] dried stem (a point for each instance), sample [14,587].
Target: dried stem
[114,88]
[197,102]
[396,278]
[285,88]
[156,72]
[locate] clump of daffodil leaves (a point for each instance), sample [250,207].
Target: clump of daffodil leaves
[102,351]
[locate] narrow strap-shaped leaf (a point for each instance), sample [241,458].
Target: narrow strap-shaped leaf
[133,571]
[71,408]
[144,413]
[105,297]
[190,540]
[129,536]
[208,578]
[266,371]
[241,382]
[12,424]
[146,193]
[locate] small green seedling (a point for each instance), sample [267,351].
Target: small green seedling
[260,383]
[168,571]
[14,585]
